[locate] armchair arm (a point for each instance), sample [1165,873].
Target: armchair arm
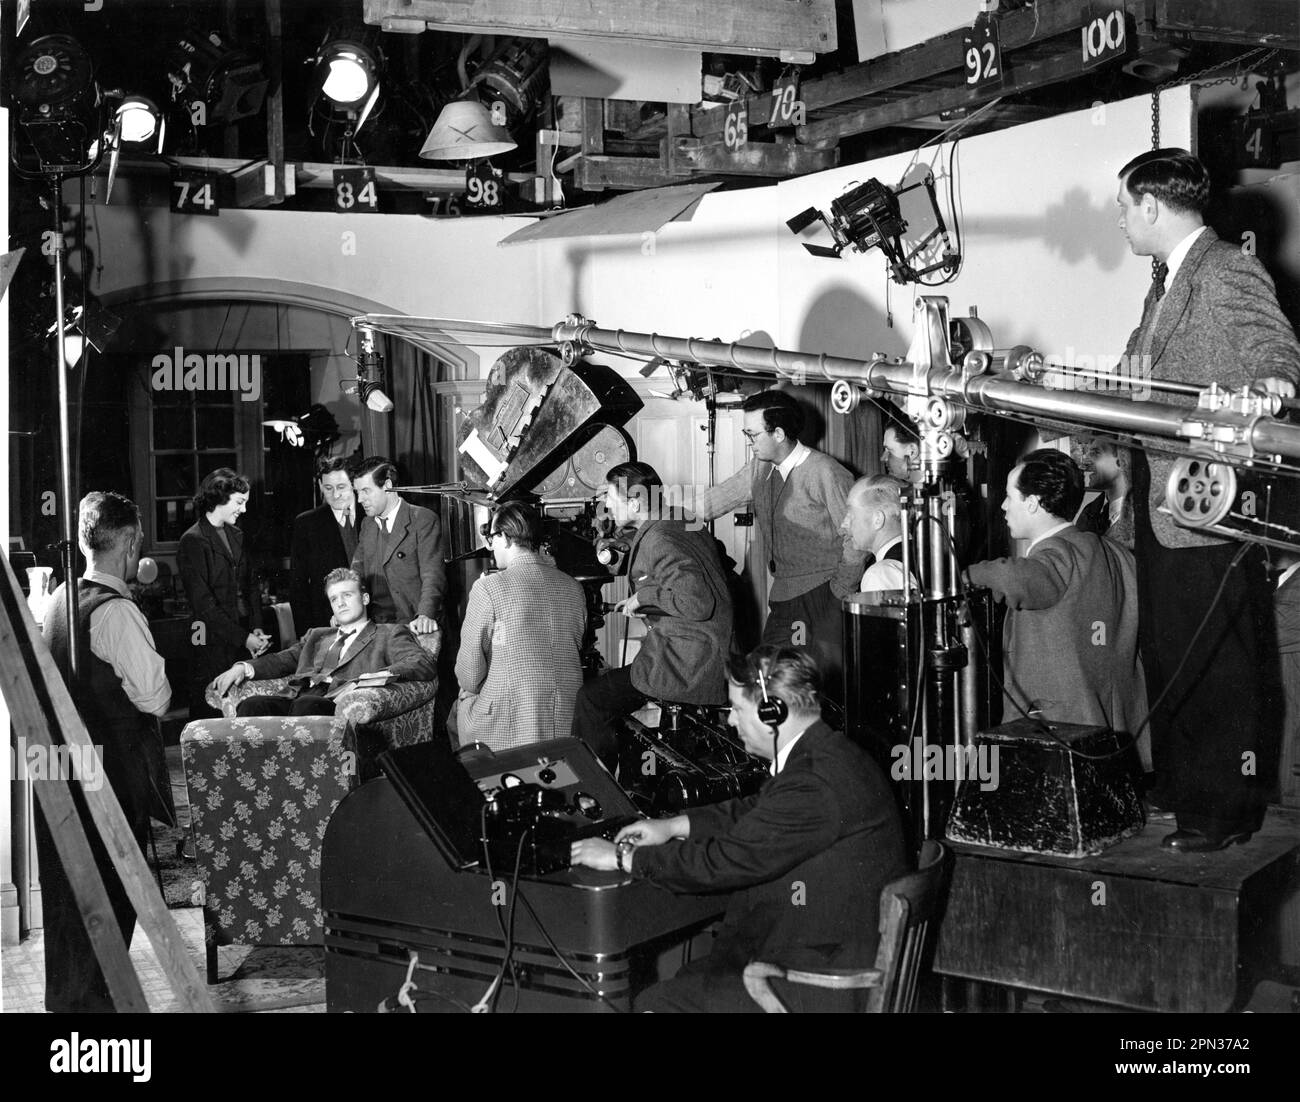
[363,706]
[271,686]
[757,974]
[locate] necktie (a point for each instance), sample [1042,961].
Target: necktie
[1158,275]
[778,484]
[347,518]
[331,658]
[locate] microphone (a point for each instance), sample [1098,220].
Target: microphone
[477,553]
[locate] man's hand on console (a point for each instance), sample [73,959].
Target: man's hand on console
[595,853]
[236,675]
[423,625]
[655,832]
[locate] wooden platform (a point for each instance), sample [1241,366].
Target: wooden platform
[1139,926]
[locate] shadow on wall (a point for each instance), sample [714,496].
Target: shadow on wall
[1075,229]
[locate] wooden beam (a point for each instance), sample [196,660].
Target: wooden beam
[730,26]
[1021,78]
[274,189]
[1253,22]
[596,173]
[778,159]
[40,705]
[939,55]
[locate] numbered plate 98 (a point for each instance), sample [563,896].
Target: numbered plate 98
[485,188]
[355,191]
[195,192]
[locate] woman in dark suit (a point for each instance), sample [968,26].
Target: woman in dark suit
[218,577]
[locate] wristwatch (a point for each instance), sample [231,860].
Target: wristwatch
[620,848]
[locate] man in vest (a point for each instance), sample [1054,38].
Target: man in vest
[798,495]
[120,693]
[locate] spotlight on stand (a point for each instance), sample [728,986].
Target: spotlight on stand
[60,108]
[92,326]
[868,216]
[139,120]
[218,82]
[348,67]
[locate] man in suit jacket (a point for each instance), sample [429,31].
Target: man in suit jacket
[679,587]
[1070,636]
[1217,320]
[519,668]
[324,539]
[399,552]
[805,859]
[327,659]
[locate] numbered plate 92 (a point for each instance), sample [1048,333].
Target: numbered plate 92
[982,50]
[355,191]
[195,192]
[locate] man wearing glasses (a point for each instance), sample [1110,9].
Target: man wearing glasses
[800,497]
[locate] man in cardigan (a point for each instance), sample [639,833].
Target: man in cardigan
[680,589]
[399,551]
[1216,319]
[121,692]
[1070,637]
[799,496]
[324,539]
[874,524]
[804,860]
[325,661]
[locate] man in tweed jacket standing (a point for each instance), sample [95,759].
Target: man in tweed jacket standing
[518,667]
[1214,319]
[800,498]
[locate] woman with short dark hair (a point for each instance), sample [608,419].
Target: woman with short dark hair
[218,580]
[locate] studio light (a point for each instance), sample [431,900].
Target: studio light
[347,85]
[868,216]
[60,108]
[93,326]
[140,121]
[465,131]
[219,82]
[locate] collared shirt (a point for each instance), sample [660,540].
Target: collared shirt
[797,455]
[1046,535]
[339,517]
[389,516]
[883,573]
[1179,253]
[783,755]
[120,636]
[352,632]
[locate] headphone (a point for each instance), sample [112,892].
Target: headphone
[773,710]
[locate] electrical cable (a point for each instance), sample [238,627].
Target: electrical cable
[555,949]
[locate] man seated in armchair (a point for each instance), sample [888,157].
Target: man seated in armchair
[356,653]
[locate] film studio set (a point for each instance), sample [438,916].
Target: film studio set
[726,507]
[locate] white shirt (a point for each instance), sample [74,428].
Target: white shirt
[1046,535]
[389,516]
[784,753]
[797,455]
[116,628]
[340,515]
[883,573]
[1176,257]
[353,631]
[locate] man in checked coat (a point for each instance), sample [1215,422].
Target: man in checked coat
[518,665]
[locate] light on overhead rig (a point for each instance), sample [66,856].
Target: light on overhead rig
[869,216]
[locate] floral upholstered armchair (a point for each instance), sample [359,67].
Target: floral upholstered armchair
[380,718]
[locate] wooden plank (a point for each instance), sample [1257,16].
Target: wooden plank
[274,104]
[596,173]
[939,55]
[1021,78]
[779,159]
[747,26]
[34,710]
[1254,22]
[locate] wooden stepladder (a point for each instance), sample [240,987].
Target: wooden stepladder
[42,710]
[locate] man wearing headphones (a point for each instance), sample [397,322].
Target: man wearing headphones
[805,859]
